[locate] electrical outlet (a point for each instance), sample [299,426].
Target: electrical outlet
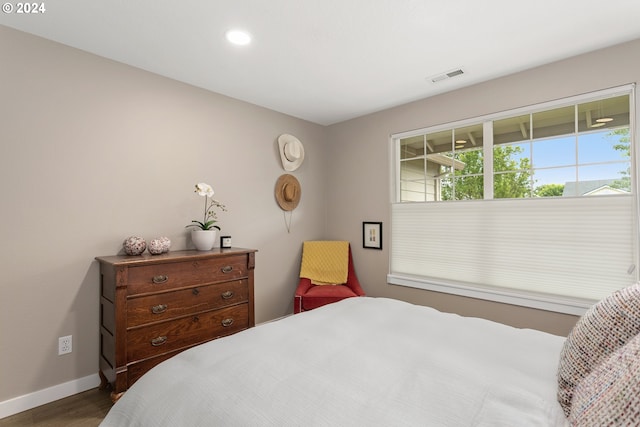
[65,345]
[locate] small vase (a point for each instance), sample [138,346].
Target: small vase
[203,239]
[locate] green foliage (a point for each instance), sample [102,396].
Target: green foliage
[622,143]
[467,185]
[514,180]
[203,225]
[549,190]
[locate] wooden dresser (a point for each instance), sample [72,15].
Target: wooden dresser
[155,306]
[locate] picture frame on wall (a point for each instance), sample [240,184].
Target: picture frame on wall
[372,235]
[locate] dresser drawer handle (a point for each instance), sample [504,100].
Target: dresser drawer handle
[158,341]
[227,295]
[160,308]
[227,269]
[160,279]
[195,291]
[227,322]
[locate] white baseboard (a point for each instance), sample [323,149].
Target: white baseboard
[48,395]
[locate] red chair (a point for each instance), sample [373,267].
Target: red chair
[309,296]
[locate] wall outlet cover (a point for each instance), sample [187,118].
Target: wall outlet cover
[65,345]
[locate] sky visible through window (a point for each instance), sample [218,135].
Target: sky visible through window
[554,160]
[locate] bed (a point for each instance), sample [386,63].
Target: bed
[359,362]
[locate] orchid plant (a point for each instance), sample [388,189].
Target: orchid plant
[210,217]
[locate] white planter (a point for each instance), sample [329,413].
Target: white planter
[203,239]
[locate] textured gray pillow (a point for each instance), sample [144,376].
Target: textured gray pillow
[604,328]
[610,394]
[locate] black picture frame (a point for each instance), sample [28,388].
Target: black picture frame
[372,235]
[225,242]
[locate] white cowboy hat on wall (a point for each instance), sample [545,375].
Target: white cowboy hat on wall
[291,152]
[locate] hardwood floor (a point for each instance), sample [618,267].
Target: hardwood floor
[85,409]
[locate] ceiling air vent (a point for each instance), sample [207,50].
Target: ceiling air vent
[439,77]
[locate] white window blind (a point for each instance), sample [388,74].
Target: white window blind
[556,253]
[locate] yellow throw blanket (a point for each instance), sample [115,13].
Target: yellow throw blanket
[325,262]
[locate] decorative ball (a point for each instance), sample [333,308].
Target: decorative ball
[156,247]
[134,245]
[166,243]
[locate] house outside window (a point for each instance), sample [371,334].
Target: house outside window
[534,206]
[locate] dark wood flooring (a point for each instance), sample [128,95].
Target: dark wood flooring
[85,409]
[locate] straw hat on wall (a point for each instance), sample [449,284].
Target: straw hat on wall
[288,192]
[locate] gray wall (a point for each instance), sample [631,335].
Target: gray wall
[94,151]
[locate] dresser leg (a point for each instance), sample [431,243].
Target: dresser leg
[104,383]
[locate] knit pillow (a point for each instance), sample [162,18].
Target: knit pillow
[610,394]
[604,328]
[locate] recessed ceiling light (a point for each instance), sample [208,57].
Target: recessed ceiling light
[238,37]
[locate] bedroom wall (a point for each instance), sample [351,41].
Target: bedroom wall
[358,178]
[93,151]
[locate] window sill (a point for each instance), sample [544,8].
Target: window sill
[546,302]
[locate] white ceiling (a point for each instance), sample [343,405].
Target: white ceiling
[331,60]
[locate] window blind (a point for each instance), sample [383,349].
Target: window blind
[554,253]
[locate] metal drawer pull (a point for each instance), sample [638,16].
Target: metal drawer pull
[159,279]
[158,341]
[227,295]
[160,308]
[227,269]
[227,322]
[195,291]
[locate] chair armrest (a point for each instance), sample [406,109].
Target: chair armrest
[303,286]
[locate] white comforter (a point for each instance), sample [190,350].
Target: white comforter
[360,362]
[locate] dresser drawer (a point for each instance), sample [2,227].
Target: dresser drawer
[163,306]
[159,338]
[162,277]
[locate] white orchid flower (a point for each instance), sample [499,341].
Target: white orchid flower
[204,189]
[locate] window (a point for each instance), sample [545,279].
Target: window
[577,150]
[534,206]
[443,165]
